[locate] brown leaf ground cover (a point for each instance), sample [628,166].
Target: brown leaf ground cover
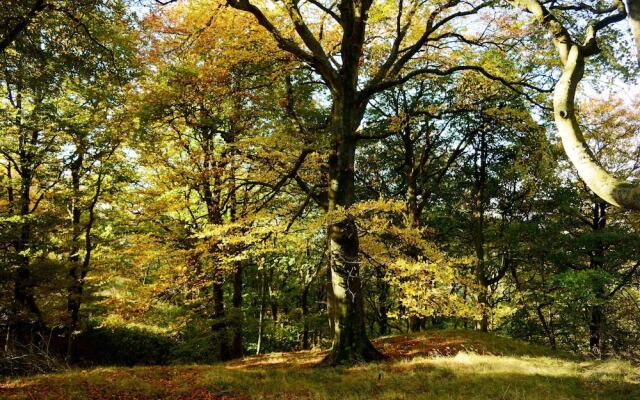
[434,365]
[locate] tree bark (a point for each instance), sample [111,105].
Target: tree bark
[304,304]
[25,310]
[477,229]
[597,317]
[75,290]
[22,24]
[351,343]
[238,319]
[211,193]
[383,293]
[607,187]
[633,8]
[273,301]
[219,325]
[572,55]
[548,328]
[263,309]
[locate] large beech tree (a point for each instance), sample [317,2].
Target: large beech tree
[359,49]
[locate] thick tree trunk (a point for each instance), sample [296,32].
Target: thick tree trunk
[350,339]
[351,343]
[415,324]
[330,309]
[483,299]
[211,193]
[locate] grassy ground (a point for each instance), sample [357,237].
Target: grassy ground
[437,365]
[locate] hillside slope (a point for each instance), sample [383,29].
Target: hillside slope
[436,365]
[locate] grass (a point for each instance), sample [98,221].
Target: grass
[436,365]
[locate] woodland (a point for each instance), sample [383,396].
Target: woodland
[390,199]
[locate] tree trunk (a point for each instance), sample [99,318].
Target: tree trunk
[595,330]
[25,310]
[263,309]
[331,315]
[477,228]
[74,291]
[10,197]
[415,323]
[219,325]
[351,343]
[596,322]
[633,8]
[238,348]
[607,187]
[211,193]
[383,293]
[483,299]
[548,327]
[572,56]
[273,301]
[304,298]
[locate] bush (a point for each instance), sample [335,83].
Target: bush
[124,346]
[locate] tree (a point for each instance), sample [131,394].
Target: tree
[573,55]
[337,41]
[38,75]
[204,102]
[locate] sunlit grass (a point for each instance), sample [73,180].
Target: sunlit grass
[499,368]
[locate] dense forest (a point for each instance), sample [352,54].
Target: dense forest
[198,181]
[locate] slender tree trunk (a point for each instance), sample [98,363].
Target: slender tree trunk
[383,293]
[238,348]
[548,327]
[597,317]
[74,291]
[415,323]
[211,191]
[477,229]
[25,310]
[219,322]
[595,330]
[263,309]
[273,301]
[10,210]
[10,196]
[304,298]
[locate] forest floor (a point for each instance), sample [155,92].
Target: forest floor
[433,365]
